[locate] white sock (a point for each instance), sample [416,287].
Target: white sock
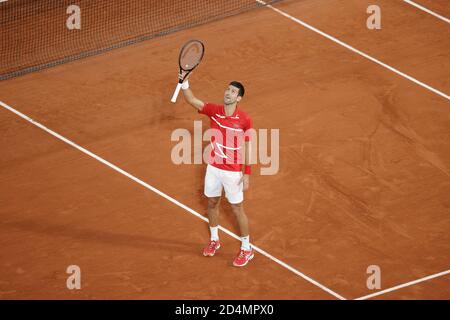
[245,243]
[214,233]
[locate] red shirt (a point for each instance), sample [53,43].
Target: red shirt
[227,136]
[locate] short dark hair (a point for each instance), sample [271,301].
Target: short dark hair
[240,86]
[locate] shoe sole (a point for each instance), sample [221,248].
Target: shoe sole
[211,255]
[249,258]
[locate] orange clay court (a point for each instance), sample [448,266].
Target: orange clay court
[364,176]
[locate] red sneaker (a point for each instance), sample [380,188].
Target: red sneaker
[211,249]
[243,257]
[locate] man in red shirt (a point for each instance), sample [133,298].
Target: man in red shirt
[224,171]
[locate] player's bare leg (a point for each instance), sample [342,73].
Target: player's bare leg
[213,211]
[238,210]
[213,216]
[246,251]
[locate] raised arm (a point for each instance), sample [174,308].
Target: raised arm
[189,96]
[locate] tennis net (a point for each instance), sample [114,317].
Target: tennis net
[37,34]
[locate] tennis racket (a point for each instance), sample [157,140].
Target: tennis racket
[191,55]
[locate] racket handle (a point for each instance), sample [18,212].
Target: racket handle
[175,94]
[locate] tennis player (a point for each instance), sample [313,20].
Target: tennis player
[225,170]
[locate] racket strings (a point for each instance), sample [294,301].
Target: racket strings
[191,56]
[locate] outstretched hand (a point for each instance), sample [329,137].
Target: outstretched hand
[182,75]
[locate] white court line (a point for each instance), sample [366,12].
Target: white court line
[365,55]
[146,185]
[407,284]
[427,10]
[404,75]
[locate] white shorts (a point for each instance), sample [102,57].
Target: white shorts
[216,179]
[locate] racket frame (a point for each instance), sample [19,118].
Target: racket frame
[188,71]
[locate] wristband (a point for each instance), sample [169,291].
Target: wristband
[185,85]
[247,170]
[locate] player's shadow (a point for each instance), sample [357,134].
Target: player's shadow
[104,237]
